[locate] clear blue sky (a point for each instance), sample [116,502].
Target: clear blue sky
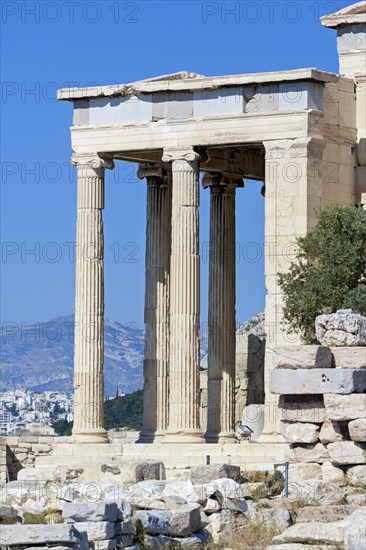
[46,45]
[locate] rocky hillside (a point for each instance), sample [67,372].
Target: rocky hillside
[40,356]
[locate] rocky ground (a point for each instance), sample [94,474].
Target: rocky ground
[207,507]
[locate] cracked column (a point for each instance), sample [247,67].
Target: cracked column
[89,302]
[221,309]
[157,273]
[184,425]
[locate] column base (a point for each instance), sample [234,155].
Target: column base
[190,436]
[96,436]
[222,437]
[146,436]
[160,435]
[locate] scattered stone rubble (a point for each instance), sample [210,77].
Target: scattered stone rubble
[200,510]
[148,514]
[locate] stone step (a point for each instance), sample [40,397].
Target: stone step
[86,449]
[219,452]
[169,461]
[73,461]
[247,450]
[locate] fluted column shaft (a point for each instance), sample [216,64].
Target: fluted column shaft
[221,312]
[184,422]
[157,271]
[89,305]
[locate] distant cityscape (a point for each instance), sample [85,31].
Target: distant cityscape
[28,411]
[24,411]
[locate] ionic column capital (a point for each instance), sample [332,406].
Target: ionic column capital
[148,170]
[180,153]
[93,162]
[221,184]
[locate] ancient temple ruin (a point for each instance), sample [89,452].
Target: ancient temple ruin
[301,132]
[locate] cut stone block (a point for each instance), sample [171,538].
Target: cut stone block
[181,522]
[345,407]
[302,408]
[347,452]
[302,357]
[90,511]
[323,513]
[125,528]
[136,470]
[299,432]
[119,110]
[279,518]
[97,530]
[355,536]
[221,527]
[224,101]
[331,432]
[356,475]
[308,470]
[300,95]
[343,328]
[332,474]
[206,473]
[159,542]
[350,357]
[316,491]
[21,535]
[172,106]
[314,533]
[308,453]
[317,381]
[261,99]
[357,429]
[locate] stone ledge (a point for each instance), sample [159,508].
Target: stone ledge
[317,381]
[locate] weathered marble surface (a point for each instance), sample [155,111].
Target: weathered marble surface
[343,328]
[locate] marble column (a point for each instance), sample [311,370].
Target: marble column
[184,422]
[89,302]
[157,272]
[221,310]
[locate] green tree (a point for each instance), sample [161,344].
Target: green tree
[329,271]
[62,427]
[124,411]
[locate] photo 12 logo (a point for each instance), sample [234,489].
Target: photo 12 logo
[70,12]
[265,12]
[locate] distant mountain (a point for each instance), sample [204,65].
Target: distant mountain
[40,357]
